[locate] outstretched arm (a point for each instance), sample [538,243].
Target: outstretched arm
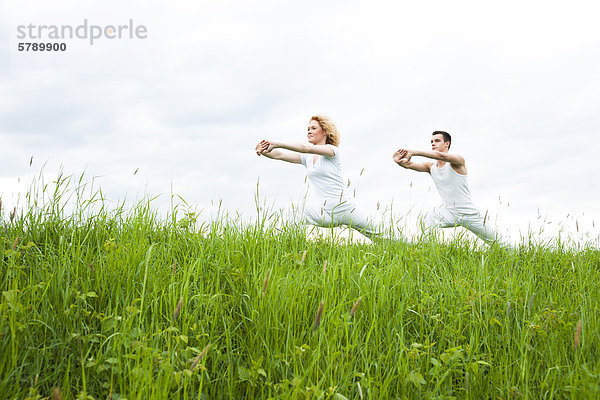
[264,148]
[455,159]
[322,150]
[402,158]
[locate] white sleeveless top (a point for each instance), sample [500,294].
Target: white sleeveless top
[326,178]
[452,187]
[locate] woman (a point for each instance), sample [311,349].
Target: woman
[329,203]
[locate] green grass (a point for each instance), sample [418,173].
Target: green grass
[89,294]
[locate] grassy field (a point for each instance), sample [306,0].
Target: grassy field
[119,303]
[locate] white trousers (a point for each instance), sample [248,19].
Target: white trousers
[345,213]
[446,217]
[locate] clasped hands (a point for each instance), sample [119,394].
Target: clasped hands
[264,146]
[402,156]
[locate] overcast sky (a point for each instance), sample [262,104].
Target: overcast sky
[517,84]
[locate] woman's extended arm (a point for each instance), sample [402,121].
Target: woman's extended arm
[322,150]
[263,148]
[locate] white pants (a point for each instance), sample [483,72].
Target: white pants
[345,213]
[446,217]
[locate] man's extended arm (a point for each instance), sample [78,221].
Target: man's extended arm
[454,159]
[402,158]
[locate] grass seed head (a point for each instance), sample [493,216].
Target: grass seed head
[56,394]
[14,246]
[177,309]
[13,213]
[174,267]
[355,306]
[318,316]
[324,267]
[577,338]
[200,356]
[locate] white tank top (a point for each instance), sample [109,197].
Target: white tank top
[452,187]
[327,182]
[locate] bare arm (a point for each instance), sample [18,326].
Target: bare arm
[262,148]
[455,159]
[322,150]
[402,159]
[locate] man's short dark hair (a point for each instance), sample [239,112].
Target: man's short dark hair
[446,135]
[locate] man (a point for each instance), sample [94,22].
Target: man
[449,174]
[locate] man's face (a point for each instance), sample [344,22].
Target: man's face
[438,144]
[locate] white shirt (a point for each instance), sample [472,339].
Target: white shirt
[325,175]
[452,187]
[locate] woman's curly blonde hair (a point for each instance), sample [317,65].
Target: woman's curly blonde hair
[333,135]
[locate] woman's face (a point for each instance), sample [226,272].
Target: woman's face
[316,134]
